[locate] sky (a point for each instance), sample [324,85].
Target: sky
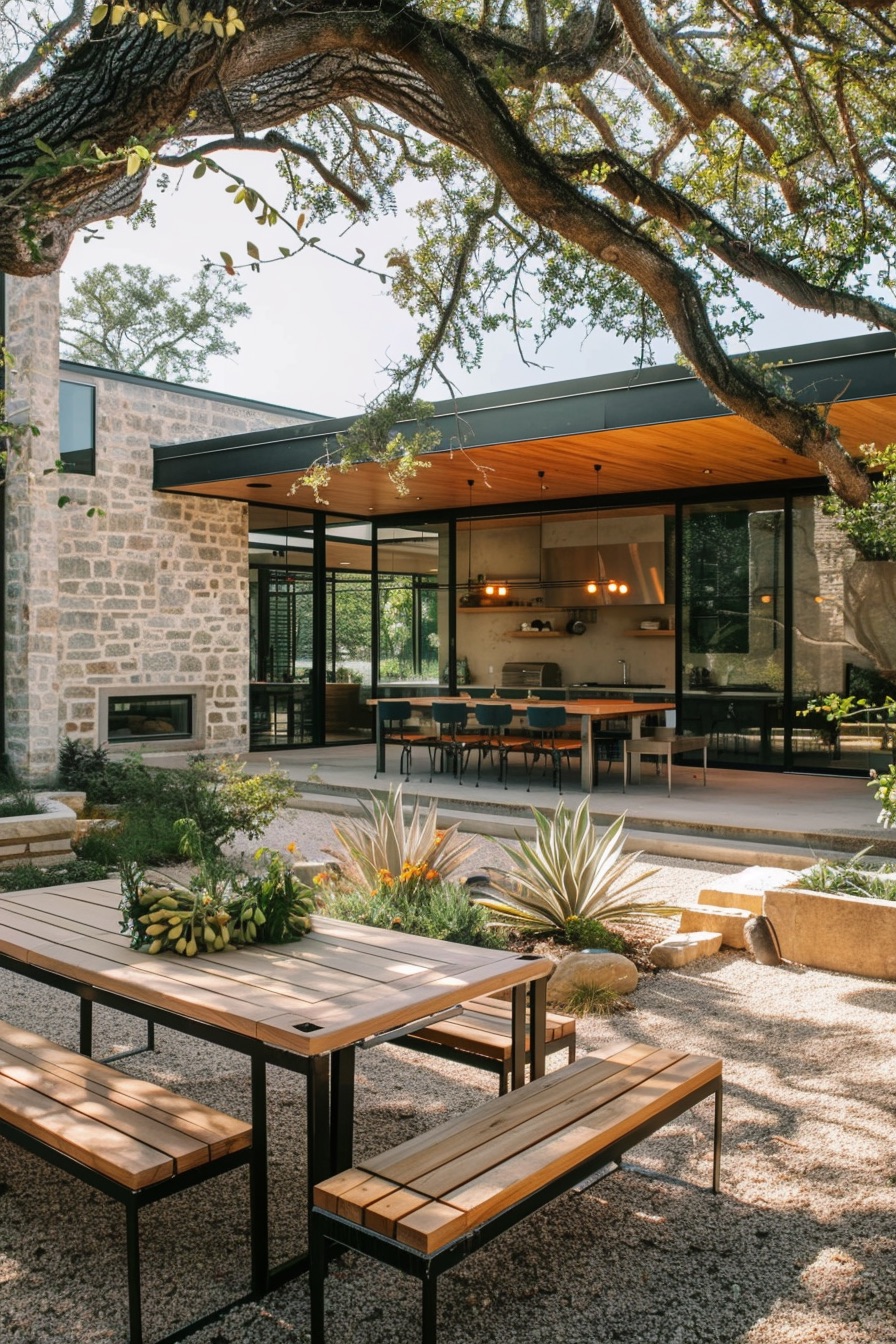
[320,331]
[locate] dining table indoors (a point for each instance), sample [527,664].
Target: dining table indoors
[587,712]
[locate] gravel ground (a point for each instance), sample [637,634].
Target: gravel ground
[798,1248]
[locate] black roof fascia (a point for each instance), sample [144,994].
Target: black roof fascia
[183,389]
[847,369]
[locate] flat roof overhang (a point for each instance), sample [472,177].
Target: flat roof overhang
[653,430]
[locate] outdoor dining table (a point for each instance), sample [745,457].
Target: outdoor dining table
[304,1006]
[587,711]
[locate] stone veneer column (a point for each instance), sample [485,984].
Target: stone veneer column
[32,517]
[150,593]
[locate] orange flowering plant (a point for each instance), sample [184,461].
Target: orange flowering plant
[385,851]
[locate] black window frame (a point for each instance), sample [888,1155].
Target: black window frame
[80,461]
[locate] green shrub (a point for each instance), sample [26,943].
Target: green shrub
[21,802]
[442,910]
[592,933]
[27,876]
[871,527]
[218,795]
[592,1000]
[851,877]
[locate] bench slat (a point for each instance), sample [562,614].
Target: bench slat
[385,1214]
[125,1160]
[446,1174]
[511,1181]
[184,1151]
[429,1191]
[410,1160]
[221,1133]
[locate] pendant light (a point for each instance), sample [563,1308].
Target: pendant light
[470,540]
[594,585]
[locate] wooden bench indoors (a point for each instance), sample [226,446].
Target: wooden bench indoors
[429,1203]
[481,1035]
[126,1137]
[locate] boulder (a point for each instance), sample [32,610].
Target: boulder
[595,969]
[761,941]
[682,948]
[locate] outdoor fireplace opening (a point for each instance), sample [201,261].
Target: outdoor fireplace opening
[156,716]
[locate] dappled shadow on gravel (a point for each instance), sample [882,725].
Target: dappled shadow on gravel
[797,1249]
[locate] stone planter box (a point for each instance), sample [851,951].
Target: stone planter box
[44,838]
[833,932]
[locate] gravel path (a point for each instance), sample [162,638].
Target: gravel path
[798,1248]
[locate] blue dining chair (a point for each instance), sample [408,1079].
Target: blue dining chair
[394,717]
[546,723]
[494,718]
[448,742]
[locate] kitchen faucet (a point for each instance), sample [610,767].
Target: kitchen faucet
[624,670]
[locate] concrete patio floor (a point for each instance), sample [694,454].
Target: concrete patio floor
[749,816]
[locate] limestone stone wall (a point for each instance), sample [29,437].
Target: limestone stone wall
[152,592]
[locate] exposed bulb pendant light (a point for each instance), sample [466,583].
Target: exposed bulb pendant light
[594,585]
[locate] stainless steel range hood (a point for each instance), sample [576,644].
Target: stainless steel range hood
[639,564]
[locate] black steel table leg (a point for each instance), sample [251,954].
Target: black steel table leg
[538,992]
[518,1037]
[319,1136]
[342,1108]
[85,1032]
[717,1143]
[258,1179]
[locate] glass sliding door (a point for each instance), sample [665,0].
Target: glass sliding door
[348,660]
[732,629]
[280,612]
[413,593]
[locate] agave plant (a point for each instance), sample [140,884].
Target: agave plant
[572,871]
[384,845]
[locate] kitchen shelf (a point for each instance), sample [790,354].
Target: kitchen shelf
[651,634]
[535,634]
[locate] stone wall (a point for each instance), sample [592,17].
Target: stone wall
[152,592]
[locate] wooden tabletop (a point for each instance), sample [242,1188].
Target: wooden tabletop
[334,987]
[597,709]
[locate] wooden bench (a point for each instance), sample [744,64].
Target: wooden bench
[125,1137]
[481,1035]
[427,1204]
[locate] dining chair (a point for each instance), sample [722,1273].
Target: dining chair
[394,717]
[494,719]
[448,742]
[547,723]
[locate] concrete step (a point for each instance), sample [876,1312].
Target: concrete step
[727,921]
[661,843]
[680,949]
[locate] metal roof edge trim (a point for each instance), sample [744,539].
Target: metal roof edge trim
[184,389]
[702,406]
